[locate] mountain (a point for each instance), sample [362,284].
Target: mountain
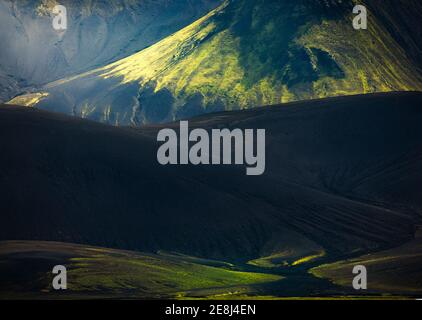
[248,53]
[99,32]
[342,177]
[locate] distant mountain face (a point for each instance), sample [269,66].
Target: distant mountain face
[249,53]
[98,33]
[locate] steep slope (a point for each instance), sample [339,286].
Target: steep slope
[67,179]
[404,25]
[250,53]
[99,32]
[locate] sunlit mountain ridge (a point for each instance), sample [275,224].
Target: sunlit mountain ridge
[98,32]
[243,54]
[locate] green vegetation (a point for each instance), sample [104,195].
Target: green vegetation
[29,100]
[95,272]
[253,53]
[284,259]
[247,53]
[101,272]
[308,258]
[146,275]
[396,271]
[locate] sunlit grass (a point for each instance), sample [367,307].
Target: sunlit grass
[152,275]
[28,100]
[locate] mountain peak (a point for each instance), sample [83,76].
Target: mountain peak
[244,54]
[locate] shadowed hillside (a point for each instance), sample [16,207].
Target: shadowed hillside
[250,53]
[342,178]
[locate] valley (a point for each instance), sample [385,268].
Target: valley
[127,150]
[341,182]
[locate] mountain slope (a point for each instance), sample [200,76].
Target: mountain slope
[341,177]
[250,53]
[99,32]
[108,273]
[396,270]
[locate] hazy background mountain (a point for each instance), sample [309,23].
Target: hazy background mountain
[250,53]
[99,31]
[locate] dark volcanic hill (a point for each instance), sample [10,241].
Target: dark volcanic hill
[249,53]
[342,177]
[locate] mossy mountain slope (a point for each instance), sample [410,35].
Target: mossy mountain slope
[250,53]
[98,32]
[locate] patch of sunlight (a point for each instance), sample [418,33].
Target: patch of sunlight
[28,100]
[158,275]
[308,258]
[281,259]
[151,62]
[275,260]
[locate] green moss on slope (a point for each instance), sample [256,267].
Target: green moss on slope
[250,53]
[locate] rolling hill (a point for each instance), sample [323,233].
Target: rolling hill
[395,270]
[341,178]
[248,53]
[96,272]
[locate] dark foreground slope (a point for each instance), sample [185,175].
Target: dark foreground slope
[342,177]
